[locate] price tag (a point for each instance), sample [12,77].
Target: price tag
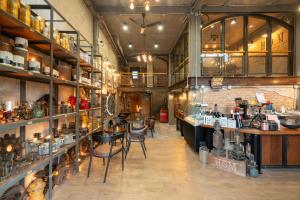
[29,123]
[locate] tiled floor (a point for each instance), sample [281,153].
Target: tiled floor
[172,171]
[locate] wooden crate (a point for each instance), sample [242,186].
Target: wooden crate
[232,166]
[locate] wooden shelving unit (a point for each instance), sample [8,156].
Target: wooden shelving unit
[12,27]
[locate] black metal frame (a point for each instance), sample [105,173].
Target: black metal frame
[111,139]
[269,20]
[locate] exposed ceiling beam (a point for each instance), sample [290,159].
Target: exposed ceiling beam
[288,8]
[112,10]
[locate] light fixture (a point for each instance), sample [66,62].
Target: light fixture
[130,46]
[299,8]
[250,26]
[160,27]
[125,26]
[155,45]
[131,4]
[264,35]
[214,46]
[233,21]
[147,5]
[206,46]
[212,26]
[201,26]
[144,57]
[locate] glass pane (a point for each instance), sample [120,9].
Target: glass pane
[211,37]
[257,29]
[211,66]
[234,64]
[257,63]
[234,34]
[280,49]
[280,38]
[280,64]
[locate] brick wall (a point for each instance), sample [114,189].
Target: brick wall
[279,95]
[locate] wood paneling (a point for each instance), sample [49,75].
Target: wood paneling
[293,150]
[271,150]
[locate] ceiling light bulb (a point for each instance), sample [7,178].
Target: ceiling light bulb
[130,46]
[156,0]
[147,5]
[250,26]
[155,46]
[233,21]
[264,35]
[214,46]
[299,8]
[139,58]
[125,26]
[206,46]
[160,27]
[201,26]
[131,5]
[150,58]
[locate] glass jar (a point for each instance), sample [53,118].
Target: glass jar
[3,5]
[13,7]
[25,12]
[38,24]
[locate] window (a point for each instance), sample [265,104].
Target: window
[211,48]
[255,45]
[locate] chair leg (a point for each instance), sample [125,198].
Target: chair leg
[144,151]
[90,165]
[103,161]
[144,145]
[106,170]
[123,158]
[128,148]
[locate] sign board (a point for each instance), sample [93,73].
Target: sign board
[216,83]
[229,165]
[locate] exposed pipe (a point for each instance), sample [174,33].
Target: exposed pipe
[91,6]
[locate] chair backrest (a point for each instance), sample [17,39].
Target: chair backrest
[151,123]
[106,138]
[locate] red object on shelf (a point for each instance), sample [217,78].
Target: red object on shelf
[163,116]
[84,104]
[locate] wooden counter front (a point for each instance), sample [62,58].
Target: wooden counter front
[278,148]
[281,132]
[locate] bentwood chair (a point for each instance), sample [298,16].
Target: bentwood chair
[106,149]
[137,135]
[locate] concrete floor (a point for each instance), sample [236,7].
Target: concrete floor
[172,171]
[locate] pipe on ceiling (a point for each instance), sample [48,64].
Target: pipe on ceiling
[91,6]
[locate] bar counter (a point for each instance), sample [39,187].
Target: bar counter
[270,148]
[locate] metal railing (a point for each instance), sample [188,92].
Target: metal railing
[144,80]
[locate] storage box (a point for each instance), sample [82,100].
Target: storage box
[228,165]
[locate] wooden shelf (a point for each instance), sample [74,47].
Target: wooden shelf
[14,72]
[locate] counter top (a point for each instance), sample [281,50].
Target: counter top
[282,131]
